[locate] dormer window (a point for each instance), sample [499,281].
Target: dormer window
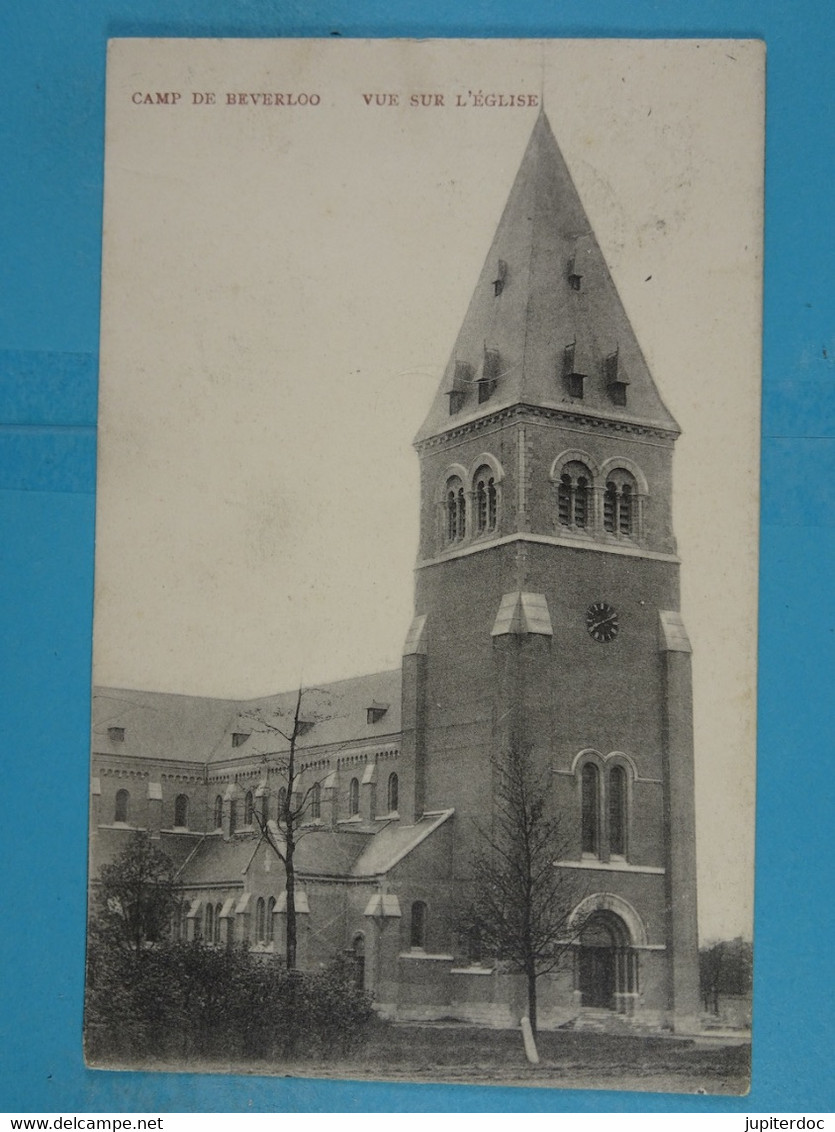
[574,383]
[116,734]
[616,379]
[573,379]
[574,278]
[239,738]
[501,276]
[375,712]
[489,375]
[304,725]
[462,377]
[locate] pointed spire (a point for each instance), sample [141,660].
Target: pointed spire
[545,325]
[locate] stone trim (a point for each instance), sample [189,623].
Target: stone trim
[611,902]
[672,633]
[613,865]
[586,420]
[548,540]
[417,954]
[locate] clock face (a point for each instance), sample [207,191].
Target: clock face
[602,622]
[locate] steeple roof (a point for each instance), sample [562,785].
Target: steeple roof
[545,308]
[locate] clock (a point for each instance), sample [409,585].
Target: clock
[602,622]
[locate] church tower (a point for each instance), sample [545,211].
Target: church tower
[547,593]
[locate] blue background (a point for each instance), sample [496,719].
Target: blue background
[52,58]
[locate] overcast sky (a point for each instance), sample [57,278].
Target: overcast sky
[282,288]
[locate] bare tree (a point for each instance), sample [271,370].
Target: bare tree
[293,810]
[521,904]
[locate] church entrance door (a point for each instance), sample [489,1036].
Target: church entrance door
[597,977]
[606,963]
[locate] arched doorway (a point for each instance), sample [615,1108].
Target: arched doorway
[607,968]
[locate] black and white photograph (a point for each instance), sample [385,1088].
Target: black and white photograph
[425,627]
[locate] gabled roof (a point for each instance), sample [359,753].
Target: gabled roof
[199,729]
[525,312]
[394,842]
[159,724]
[217,861]
[325,853]
[328,852]
[336,713]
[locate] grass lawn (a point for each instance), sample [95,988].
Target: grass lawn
[469,1054]
[473,1055]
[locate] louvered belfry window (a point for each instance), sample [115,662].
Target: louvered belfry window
[486,500]
[455,506]
[619,503]
[574,496]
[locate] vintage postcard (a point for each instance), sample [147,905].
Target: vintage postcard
[426,564]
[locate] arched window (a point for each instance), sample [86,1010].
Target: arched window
[265,807]
[218,811]
[122,806]
[181,811]
[354,797]
[316,801]
[574,496]
[455,506]
[617,811]
[218,910]
[610,508]
[210,923]
[486,500]
[418,925]
[590,806]
[233,816]
[393,787]
[271,920]
[260,921]
[620,503]
[282,805]
[249,809]
[474,947]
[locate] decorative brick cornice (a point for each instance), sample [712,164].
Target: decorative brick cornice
[124,772]
[610,425]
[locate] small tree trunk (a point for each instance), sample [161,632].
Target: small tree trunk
[291,904]
[531,978]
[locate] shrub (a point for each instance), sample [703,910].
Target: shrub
[182,1000]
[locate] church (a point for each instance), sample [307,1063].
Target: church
[546,619]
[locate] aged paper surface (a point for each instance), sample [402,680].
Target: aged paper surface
[293,233]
